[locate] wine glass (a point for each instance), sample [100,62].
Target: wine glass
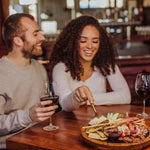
[142,88]
[49,95]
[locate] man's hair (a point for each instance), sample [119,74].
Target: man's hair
[12,27]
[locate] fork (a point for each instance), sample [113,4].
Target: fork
[95,111]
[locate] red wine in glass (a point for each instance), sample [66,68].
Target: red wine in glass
[143,92]
[54,99]
[49,95]
[142,88]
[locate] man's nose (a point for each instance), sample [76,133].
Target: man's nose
[42,38]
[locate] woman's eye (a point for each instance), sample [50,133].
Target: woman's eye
[82,41]
[95,41]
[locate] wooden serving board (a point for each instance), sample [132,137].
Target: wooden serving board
[106,145]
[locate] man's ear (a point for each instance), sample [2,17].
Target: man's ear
[18,41]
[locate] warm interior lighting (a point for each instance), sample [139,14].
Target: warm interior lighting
[27,2]
[146,3]
[112,3]
[33,10]
[119,3]
[70,4]
[49,26]
[99,3]
[94,3]
[84,3]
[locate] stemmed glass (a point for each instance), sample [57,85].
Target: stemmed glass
[49,95]
[142,88]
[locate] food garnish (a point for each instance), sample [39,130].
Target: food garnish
[117,126]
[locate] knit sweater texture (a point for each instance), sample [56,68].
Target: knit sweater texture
[20,88]
[65,87]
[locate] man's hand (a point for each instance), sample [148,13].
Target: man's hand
[40,113]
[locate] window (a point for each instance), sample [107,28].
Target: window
[98,3]
[84,4]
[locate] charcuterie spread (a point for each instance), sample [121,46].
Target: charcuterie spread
[117,127]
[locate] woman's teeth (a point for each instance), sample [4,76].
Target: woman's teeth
[89,52]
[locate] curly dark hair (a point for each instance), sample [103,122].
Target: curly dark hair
[65,48]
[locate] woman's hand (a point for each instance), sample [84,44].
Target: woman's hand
[82,94]
[40,113]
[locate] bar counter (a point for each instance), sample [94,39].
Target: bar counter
[68,136]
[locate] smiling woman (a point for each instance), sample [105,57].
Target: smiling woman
[88,47]
[89,44]
[83,60]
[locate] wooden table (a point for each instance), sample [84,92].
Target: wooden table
[68,136]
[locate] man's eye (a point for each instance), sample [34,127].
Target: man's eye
[35,34]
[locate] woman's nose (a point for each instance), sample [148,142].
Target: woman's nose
[89,44]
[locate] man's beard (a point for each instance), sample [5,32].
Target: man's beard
[36,51]
[27,53]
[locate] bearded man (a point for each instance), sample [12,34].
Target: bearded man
[21,77]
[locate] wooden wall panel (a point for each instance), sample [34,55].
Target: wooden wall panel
[4,12]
